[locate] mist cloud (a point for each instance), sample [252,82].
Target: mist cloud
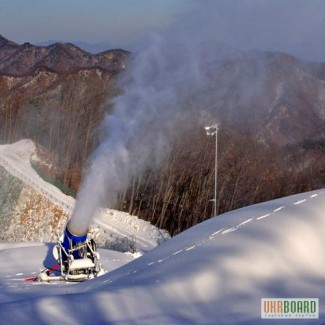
[139,131]
[163,79]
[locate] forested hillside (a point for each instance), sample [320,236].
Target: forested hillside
[270,108]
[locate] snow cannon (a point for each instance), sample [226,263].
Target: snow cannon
[77,259]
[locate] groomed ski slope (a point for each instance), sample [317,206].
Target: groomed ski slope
[214,273]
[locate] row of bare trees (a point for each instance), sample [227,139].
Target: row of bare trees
[179,194]
[61,120]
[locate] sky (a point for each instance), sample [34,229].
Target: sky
[292,26]
[118,22]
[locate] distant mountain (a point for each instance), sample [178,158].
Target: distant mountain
[95,47]
[6,48]
[273,96]
[6,42]
[88,47]
[24,59]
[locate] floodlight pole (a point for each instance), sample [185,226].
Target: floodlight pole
[211,131]
[216,173]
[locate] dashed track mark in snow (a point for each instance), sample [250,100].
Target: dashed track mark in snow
[229,230]
[299,202]
[223,231]
[244,222]
[215,233]
[314,195]
[264,216]
[278,209]
[163,259]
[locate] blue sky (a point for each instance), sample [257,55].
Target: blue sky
[293,26]
[120,22]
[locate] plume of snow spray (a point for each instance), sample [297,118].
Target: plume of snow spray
[147,116]
[169,74]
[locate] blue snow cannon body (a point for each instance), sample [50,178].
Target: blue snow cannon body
[72,241]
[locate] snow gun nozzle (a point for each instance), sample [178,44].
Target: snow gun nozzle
[72,241]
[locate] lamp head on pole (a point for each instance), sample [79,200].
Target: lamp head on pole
[211,130]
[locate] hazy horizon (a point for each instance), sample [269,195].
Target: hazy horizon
[291,26]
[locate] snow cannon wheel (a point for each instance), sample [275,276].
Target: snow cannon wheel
[55,252]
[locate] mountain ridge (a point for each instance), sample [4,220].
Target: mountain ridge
[18,60]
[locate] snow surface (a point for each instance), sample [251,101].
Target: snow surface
[214,273]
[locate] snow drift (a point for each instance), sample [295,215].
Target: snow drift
[214,273]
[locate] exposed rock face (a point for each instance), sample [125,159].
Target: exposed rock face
[27,215]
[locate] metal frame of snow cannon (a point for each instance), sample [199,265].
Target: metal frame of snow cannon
[77,258]
[83,267]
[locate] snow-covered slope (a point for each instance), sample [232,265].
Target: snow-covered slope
[214,273]
[34,210]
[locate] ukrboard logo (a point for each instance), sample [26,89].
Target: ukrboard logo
[289,308]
